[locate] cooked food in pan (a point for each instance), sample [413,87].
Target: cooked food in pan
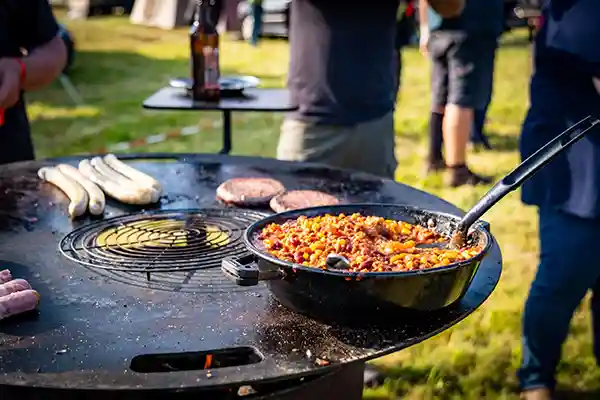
[295,199]
[370,244]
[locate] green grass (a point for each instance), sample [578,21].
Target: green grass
[118,65]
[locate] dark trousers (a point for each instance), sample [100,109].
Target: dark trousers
[257,13]
[16,144]
[398,59]
[477,131]
[568,269]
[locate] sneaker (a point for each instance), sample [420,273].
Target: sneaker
[462,175]
[435,166]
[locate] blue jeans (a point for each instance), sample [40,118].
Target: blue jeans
[568,269]
[257,12]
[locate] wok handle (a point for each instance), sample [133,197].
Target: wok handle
[244,270]
[526,170]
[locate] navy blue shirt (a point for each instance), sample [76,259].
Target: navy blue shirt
[342,61]
[567,56]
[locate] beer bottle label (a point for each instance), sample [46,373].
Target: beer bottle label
[211,71]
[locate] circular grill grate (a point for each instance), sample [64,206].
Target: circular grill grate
[167,250]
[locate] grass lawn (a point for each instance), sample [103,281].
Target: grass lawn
[118,65]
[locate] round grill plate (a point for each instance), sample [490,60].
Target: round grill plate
[176,250]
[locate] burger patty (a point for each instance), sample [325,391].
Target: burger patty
[296,199]
[249,191]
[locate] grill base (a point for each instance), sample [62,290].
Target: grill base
[345,383]
[90,326]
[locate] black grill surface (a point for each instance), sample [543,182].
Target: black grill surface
[108,302]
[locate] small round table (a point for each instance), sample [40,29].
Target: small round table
[252,100]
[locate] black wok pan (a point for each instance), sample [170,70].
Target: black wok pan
[324,294]
[375,297]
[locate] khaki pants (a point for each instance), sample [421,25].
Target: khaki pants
[367,147]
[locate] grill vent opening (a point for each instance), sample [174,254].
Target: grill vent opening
[195,361]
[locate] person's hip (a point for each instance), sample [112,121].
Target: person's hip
[367,146]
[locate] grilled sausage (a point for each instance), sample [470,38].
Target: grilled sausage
[74,191]
[96,199]
[111,174]
[127,195]
[18,303]
[137,176]
[16,285]
[5,276]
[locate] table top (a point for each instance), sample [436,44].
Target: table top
[92,322]
[256,99]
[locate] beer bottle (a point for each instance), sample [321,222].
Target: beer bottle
[204,41]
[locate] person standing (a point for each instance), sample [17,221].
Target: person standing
[256,10]
[566,193]
[462,50]
[405,31]
[32,55]
[342,77]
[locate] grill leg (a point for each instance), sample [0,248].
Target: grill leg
[226,132]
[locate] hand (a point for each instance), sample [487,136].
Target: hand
[10,82]
[424,42]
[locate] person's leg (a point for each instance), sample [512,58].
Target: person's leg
[257,12]
[372,147]
[438,47]
[595,307]
[468,71]
[560,284]
[478,137]
[398,58]
[488,58]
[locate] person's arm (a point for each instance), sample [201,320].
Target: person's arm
[46,52]
[423,27]
[44,64]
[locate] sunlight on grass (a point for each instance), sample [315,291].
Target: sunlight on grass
[118,65]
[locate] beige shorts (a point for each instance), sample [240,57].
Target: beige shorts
[367,147]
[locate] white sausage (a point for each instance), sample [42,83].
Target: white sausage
[74,191]
[17,285]
[19,302]
[96,199]
[104,169]
[127,195]
[5,276]
[122,180]
[133,174]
